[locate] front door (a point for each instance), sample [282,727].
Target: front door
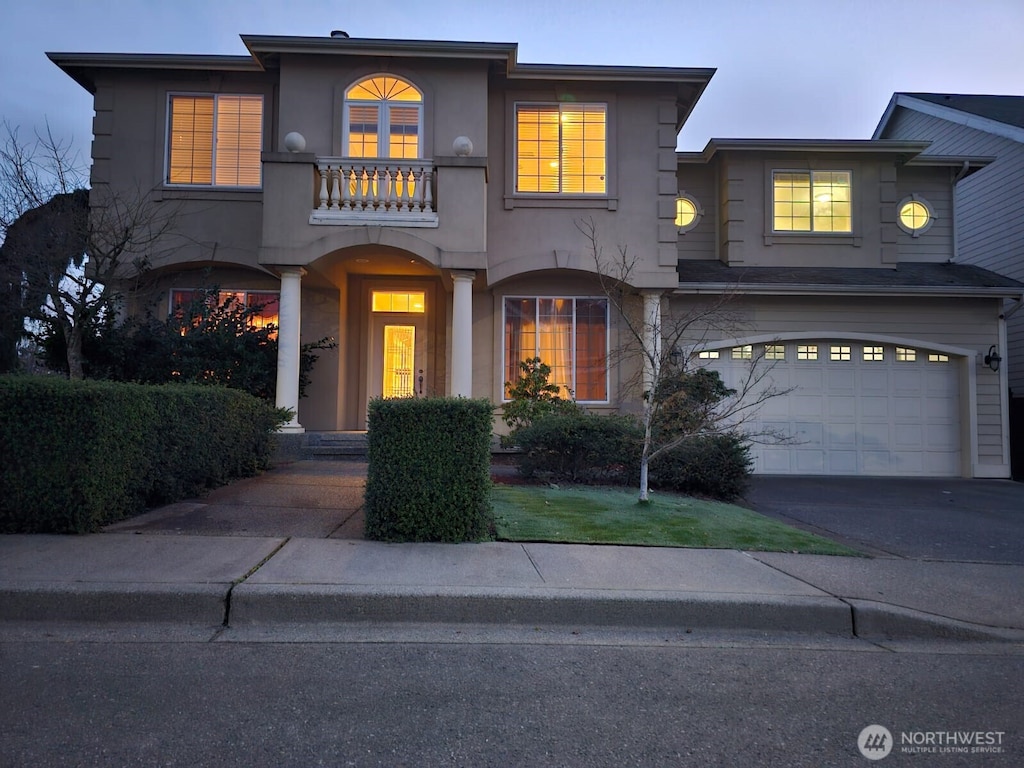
[398,348]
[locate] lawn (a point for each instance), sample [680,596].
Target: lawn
[591,515]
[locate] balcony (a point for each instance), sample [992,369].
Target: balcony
[358,192]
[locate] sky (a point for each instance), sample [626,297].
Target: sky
[785,68]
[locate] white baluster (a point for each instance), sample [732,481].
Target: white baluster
[406,178]
[428,195]
[388,180]
[376,187]
[335,187]
[346,190]
[323,170]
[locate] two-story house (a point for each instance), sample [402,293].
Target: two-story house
[420,202]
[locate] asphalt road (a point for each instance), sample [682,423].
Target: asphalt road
[921,518]
[410,704]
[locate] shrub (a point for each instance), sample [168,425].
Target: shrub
[429,470]
[708,465]
[78,455]
[581,447]
[531,396]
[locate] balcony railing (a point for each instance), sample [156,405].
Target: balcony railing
[357,191]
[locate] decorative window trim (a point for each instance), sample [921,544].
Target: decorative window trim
[169,142]
[929,212]
[686,199]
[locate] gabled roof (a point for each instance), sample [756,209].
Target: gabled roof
[907,279]
[999,115]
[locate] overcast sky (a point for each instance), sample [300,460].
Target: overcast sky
[786,68]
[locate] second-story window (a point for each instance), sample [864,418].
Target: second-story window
[811,201]
[383,118]
[561,148]
[215,140]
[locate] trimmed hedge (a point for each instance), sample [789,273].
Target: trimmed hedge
[582,447]
[79,455]
[429,470]
[708,465]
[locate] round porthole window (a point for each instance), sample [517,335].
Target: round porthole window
[688,213]
[915,215]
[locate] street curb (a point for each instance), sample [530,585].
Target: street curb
[96,602]
[253,605]
[873,620]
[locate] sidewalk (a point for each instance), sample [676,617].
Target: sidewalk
[214,563]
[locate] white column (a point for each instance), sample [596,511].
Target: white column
[462,334]
[652,338]
[288,345]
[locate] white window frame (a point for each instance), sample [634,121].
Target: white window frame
[171,95]
[574,299]
[383,116]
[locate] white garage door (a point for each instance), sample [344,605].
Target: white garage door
[855,408]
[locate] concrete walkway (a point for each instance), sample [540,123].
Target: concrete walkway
[285,550]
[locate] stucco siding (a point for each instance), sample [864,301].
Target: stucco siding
[698,182]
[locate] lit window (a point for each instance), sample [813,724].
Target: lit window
[568,334]
[774,352]
[915,215]
[688,213]
[408,302]
[742,353]
[807,352]
[936,358]
[708,354]
[839,352]
[873,354]
[905,355]
[215,140]
[264,306]
[383,118]
[561,148]
[816,201]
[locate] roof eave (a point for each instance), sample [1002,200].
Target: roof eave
[797,289]
[264,46]
[81,67]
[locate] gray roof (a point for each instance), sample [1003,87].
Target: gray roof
[1003,109]
[942,279]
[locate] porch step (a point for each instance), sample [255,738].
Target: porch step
[330,445]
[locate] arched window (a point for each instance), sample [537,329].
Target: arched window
[383,118]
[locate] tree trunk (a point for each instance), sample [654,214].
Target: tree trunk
[73,340]
[645,454]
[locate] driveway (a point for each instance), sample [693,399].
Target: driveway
[929,519]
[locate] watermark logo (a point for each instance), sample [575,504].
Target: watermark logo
[875,742]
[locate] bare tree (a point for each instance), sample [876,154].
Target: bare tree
[680,399]
[66,250]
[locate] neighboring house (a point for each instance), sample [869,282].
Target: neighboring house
[989,204]
[420,202]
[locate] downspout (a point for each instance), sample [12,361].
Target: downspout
[956,180]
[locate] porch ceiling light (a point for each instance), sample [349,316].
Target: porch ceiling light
[993,358]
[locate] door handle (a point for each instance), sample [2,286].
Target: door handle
[421,381]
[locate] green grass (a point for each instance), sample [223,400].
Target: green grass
[589,515]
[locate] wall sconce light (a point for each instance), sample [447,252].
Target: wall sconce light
[993,358]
